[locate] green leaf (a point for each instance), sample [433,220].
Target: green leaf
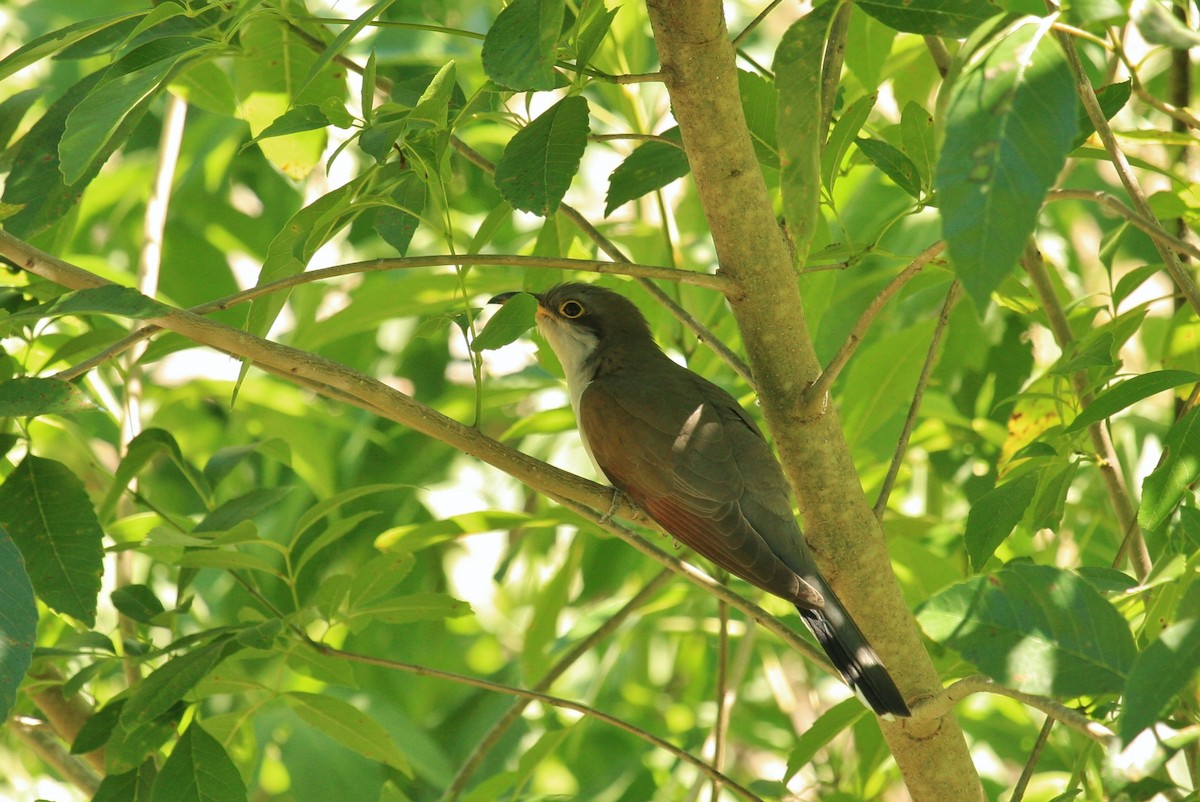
[291,249]
[651,166]
[798,62]
[136,785]
[1163,669]
[148,444]
[951,19]
[296,119]
[1158,26]
[199,770]
[414,537]
[110,299]
[514,318]
[267,82]
[27,397]
[1010,124]
[56,41]
[335,48]
[349,726]
[375,578]
[520,48]
[1035,628]
[123,92]
[397,223]
[993,517]
[1175,473]
[159,692]
[137,602]
[434,104]
[841,135]
[542,158]
[413,607]
[593,24]
[1129,392]
[18,622]
[880,381]
[917,134]
[1112,98]
[48,514]
[893,163]
[828,726]
[759,105]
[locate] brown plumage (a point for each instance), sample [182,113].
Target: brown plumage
[688,454]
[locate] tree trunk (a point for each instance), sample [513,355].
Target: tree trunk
[698,65]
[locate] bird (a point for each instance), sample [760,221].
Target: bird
[688,454]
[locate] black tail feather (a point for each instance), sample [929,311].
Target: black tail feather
[853,656]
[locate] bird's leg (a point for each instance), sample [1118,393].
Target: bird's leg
[618,496]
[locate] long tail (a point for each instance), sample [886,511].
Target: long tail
[853,656]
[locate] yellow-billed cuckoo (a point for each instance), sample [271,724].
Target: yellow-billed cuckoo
[688,454]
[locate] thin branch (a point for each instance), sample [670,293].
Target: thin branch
[1145,224]
[38,736]
[1083,85]
[66,714]
[941,704]
[741,38]
[1107,462]
[510,716]
[815,396]
[405,263]
[940,55]
[1018,793]
[636,138]
[721,724]
[344,384]
[533,696]
[922,383]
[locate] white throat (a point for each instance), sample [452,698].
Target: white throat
[574,347]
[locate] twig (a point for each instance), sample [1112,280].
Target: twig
[1183,280]
[941,704]
[635,137]
[510,716]
[940,55]
[831,67]
[66,714]
[406,263]
[814,396]
[1027,772]
[922,383]
[533,696]
[740,39]
[1145,224]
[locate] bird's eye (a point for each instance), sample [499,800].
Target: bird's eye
[570,309]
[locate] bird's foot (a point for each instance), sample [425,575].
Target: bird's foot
[618,496]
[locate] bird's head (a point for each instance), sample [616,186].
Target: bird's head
[583,321]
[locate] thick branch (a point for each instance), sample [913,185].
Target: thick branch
[698,62]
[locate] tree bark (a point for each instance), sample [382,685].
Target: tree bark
[700,73]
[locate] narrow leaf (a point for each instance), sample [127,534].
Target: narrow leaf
[131,786]
[1010,124]
[651,166]
[995,514]
[18,622]
[512,320]
[798,62]
[831,723]
[56,41]
[157,693]
[1128,393]
[48,514]
[110,299]
[335,48]
[199,770]
[1161,671]
[137,602]
[1178,469]
[893,163]
[349,726]
[952,20]
[1035,628]
[542,158]
[842,134]
[27,397]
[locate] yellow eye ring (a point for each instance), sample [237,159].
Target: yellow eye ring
[571,309]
